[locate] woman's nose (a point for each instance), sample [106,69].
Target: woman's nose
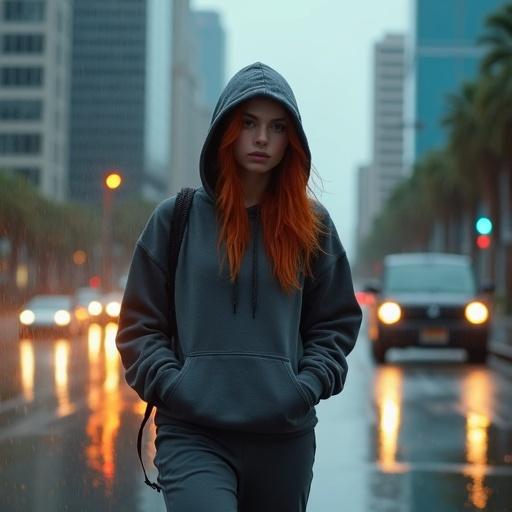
[261,136]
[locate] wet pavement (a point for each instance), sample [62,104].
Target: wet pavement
[426,432]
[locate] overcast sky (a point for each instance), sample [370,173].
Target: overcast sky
[324,50]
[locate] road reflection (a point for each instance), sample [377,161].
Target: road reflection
[27,363]
[477,392]
[61,366]
[105,405]
[388,389]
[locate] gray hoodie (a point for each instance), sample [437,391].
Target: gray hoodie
[249,357]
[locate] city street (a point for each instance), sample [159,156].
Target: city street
[425,432]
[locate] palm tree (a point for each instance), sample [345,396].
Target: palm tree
[494,106]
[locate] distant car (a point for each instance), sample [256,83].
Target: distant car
[429,300]
[49,313]
[87,306]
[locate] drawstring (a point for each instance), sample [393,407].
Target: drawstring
[254,275]
[235,295]
[255,268]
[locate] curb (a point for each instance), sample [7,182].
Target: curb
[501,350]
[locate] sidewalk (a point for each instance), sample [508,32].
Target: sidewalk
[500,343]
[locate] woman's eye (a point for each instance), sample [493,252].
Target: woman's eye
[279,127]
[248,123]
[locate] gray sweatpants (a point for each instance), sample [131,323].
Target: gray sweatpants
[204,470]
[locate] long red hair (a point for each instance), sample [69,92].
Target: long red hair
[291,224]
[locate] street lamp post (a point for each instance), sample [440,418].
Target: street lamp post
[111,181]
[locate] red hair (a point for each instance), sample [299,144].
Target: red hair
[291,224]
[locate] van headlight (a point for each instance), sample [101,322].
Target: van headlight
[389,313]
[476,312]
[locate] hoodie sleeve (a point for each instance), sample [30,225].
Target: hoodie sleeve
[330,321]
[143,338]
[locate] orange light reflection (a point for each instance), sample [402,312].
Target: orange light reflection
[477,393]
[388,389]
[61,360]
[105,403]
[27,362]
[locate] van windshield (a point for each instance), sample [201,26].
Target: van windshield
[429,278]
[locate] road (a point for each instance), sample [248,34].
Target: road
[424,432]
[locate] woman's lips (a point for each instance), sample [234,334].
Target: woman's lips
[259,157]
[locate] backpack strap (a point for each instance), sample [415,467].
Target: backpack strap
[178,223]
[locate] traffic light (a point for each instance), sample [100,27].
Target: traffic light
[483,227]
[483,241]
[95,281]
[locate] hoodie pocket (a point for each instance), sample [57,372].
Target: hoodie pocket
[238,390]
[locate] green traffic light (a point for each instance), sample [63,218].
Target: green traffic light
[484,226]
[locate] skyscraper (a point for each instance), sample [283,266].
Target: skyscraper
[34,92]
[378,180]
[211,47]
[442,52]
[108,95]
[388,115]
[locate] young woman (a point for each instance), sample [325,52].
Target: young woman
[265,309]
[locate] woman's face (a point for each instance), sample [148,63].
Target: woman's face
[263,140]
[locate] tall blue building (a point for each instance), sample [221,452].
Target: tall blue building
[442,53]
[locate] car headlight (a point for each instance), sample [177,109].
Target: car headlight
[476,312]
[95,308]
[389,313]
[113,308]
[62,317]
[27,317]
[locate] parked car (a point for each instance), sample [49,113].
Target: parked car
[47,313]
[429,300]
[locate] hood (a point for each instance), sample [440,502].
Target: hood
[254,80]
[428,298]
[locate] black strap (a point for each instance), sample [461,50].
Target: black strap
[178,223]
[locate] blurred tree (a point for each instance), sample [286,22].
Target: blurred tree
[48,232]
[496,117]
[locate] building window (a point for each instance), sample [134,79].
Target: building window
[20,144]
[26,76]
[24,10]
[23,43]
[14,110]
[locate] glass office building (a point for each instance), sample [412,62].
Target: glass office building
[442,53]
[107,96]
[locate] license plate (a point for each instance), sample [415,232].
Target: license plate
[434,336]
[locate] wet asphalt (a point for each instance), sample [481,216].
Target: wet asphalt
[425,432]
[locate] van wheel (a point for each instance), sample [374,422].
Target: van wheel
[478,355]
[379,352]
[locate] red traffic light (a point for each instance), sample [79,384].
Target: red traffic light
[483,241]
[95,282]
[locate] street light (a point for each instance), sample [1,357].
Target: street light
[112,180]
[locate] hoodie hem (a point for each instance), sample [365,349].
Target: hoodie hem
[162,419]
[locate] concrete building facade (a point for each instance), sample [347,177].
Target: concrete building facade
[35,62]
[377,180]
